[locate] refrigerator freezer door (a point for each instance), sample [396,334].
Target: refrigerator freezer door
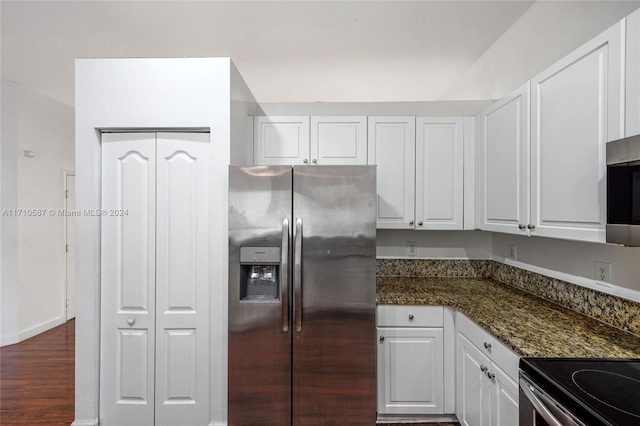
[259,330]
[334,372]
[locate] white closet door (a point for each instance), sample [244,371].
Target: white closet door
[182,295]
[128,278]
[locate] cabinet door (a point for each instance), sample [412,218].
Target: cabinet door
[182,279]
[504,395]
[391,146]
[128,290]
[439,173]
[575,110]
[632,109]
[338,140]
[410,371]
[281,140]
[474,387]
[503,164]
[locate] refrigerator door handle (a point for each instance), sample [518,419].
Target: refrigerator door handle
[284,275]
[297,276]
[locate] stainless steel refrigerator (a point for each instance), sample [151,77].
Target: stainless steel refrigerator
[302,295]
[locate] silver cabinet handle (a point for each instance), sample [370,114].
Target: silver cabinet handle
[487,345]
[284,275]
[297,276]
[521,226]
[410,222]
[131,321]
[483,368]
[490,375]
[410,317]
[530,226]
[314,161]
[305,161]
[381,339]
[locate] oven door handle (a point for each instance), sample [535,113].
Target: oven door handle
[536,398]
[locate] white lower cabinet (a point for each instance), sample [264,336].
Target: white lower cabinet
[429,356]
[413,349]
[486,378]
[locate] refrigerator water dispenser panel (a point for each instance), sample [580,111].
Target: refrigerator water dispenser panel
[259,271]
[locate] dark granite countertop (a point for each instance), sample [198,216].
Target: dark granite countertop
[529,325]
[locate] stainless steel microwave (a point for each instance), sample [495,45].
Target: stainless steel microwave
[623,191]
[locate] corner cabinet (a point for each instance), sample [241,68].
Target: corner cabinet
[487,378]
[548,179]
[420,164]
[292,140]
[503,164]
[415,360]
[575,111]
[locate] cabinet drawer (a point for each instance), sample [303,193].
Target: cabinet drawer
[410,316]
[504,357]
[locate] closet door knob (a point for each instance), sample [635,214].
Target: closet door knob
[131,321]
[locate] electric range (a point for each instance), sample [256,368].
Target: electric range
[577,391]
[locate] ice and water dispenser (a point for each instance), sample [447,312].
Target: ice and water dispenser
[259,271]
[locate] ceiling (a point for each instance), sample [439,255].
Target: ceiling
[296,51]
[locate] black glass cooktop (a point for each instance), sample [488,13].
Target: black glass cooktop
[597,391]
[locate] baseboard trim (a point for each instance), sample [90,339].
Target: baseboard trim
[40,328]
[93,422]
[10,339]
[218,424]
[416,418]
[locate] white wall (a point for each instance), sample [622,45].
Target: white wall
[574,261]
[548,31]
[9,329]
[33,279]
[425,109]
[152,94]
[392,243]
[45,127]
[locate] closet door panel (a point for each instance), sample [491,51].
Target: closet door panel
[128,279]
[182,286]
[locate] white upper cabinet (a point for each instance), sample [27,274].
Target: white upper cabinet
[439,173]
[339,140]
[392,143]
[281,140]
[310,140]
[420,171]
[575,109]
[503,164]
[632,73]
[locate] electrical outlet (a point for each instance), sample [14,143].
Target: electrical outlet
[603,272]
[412,248]
[512,251]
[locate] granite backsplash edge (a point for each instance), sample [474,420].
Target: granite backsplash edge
[613,310]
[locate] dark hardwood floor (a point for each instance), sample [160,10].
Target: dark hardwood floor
[37,379]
